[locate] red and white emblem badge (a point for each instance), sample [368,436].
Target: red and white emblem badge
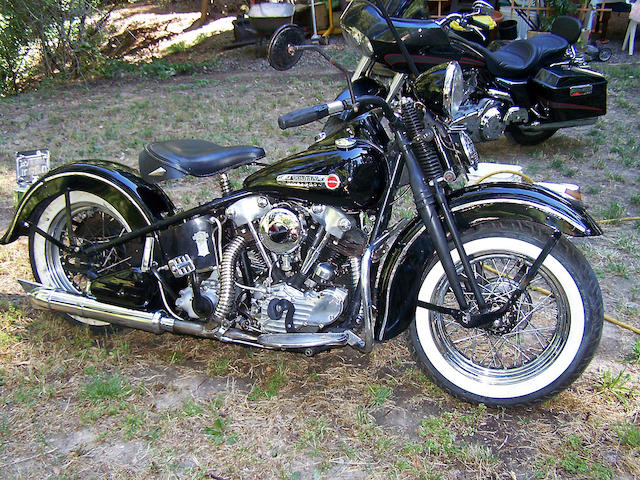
[332,181]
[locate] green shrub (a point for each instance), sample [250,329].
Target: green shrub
[47,37]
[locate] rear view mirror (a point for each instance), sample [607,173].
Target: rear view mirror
[483,7]
[282,53]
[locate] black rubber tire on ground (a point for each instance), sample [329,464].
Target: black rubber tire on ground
[572,314]
[605,54]
[48,263]
[521,137]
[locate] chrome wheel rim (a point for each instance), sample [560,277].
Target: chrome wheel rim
[91,224]
[533,333]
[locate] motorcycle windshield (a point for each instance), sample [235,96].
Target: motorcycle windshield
[365,18]
[408,8]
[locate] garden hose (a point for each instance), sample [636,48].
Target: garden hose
[527,178]
[544,291]
[614,220]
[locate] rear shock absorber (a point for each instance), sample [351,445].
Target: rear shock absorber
[421,138]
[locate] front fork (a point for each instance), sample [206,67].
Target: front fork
[430,202]
[426,199]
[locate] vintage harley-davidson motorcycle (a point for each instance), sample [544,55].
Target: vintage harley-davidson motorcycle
[308,256]
[526,89]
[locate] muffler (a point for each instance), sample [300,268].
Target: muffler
[57,300]
[73,304]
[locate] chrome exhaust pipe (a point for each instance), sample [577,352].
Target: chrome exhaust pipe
[47,298]
[538,127]
[57,300]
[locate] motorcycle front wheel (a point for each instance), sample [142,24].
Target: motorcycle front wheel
[539,347]
[91,220]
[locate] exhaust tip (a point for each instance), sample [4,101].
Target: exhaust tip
[29,286]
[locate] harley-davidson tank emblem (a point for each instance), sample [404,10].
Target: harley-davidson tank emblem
[330,182]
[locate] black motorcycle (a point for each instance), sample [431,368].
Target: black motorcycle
[499,306]
[526,89]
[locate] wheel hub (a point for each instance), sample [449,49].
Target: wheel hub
[501,290]
[91,227]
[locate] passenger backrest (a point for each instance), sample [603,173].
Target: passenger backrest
[567,27]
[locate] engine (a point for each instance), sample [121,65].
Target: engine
[486,118]
[303,260]
[313,310]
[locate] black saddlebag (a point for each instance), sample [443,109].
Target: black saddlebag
[571,93]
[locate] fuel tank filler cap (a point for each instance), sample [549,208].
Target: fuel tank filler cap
[345,143]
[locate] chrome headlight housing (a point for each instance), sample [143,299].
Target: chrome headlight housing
[441,88]
[453,89]
[357,40]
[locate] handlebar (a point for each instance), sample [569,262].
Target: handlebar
[453,16]
[311,114]
[465,20]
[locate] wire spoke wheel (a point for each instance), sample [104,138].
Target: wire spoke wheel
[89,221]
[516,346]
[538,347]
[90,226]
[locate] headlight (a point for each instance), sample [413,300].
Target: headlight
[469,149]
[441,88]
[453,90]
[357,40]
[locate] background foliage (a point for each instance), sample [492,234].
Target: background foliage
[46,37]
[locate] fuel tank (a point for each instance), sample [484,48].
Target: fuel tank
[348,173]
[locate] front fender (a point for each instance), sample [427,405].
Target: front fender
[398,278]
[140,201]
[490,201]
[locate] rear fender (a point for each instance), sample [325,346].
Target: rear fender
[142,203]
[398,279]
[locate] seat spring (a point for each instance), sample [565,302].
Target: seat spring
[425,152]
[225,185]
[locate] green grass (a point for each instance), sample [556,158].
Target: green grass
[624,78]
[269,388]
[219,367]
[616,386]
[106,387]
[629,434]
[218,431]
[159,68]
[379,394]
[618,269]
[314,435]
[613,211]
[192,409]
[634,356]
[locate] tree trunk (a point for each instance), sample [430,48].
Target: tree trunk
[204,11]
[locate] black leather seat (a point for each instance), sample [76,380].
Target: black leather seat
[176,158]
[551,48]
[514,60]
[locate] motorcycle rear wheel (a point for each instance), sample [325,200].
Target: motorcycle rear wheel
[543,343]
[522,137]
[94,220]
